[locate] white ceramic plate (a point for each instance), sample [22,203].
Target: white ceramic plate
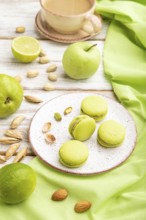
[100,159]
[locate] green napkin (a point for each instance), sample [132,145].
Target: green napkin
[119,194]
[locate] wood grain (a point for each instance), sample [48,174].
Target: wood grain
[15,13]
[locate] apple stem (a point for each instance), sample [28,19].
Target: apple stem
[91,47]
[8,100]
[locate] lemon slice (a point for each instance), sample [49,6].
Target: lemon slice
[25,48]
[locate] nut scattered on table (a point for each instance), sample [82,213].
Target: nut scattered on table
[59,195]
[42,53]
[12,150]
[57,116]
[48,87]
[50,138]
[8,140]
[2,159]
[44,60]
[14,134]
[52,68]
[20,29]
[20,155]
[32,73]
[68,110]
[17,121]
[82,206]
[18,78]
[32,99]
[52,76]
[46,127]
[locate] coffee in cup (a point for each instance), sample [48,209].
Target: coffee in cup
[67,16]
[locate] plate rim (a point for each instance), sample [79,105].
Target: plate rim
[76,173]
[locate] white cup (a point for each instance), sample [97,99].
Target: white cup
[70,24]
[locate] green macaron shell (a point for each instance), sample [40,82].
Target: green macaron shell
[111,133]
[82,127]
[95,107]
[73,153]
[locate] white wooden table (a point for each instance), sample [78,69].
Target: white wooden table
[15,13]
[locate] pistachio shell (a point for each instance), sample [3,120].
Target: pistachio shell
[20,155]
[46,127]
[14,134]
[68,110]
[12,150]
[17,121]
[50,138]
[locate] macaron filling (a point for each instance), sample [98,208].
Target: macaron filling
[96,117]
[105,144]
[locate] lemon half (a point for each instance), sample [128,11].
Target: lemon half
[26,49]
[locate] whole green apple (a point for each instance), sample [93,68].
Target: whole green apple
[11,95]
[81,60]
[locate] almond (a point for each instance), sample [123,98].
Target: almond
[32,99]
[42,53]
[17,121]
[82,206]
[2,159]
[20,29]
[14,134]
[12,150]
[20,155]
[8,140]
[59,195]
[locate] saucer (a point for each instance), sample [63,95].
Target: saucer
[100,159]
[48,32]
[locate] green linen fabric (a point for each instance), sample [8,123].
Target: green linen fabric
[119,194]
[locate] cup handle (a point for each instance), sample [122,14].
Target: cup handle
[92,24]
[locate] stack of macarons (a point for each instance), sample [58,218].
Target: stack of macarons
[111,133]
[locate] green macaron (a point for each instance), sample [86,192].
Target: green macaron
[95,107]
[73,153]
[111,133]
[82,127]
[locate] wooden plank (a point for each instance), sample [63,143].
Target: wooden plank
[22,13]
[55,53]
[28,110]
[25,160]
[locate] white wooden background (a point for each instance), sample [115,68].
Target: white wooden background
[15,13]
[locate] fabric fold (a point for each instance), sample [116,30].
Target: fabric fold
[119,194]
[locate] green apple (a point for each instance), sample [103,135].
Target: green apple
[11,95]
[81,60]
